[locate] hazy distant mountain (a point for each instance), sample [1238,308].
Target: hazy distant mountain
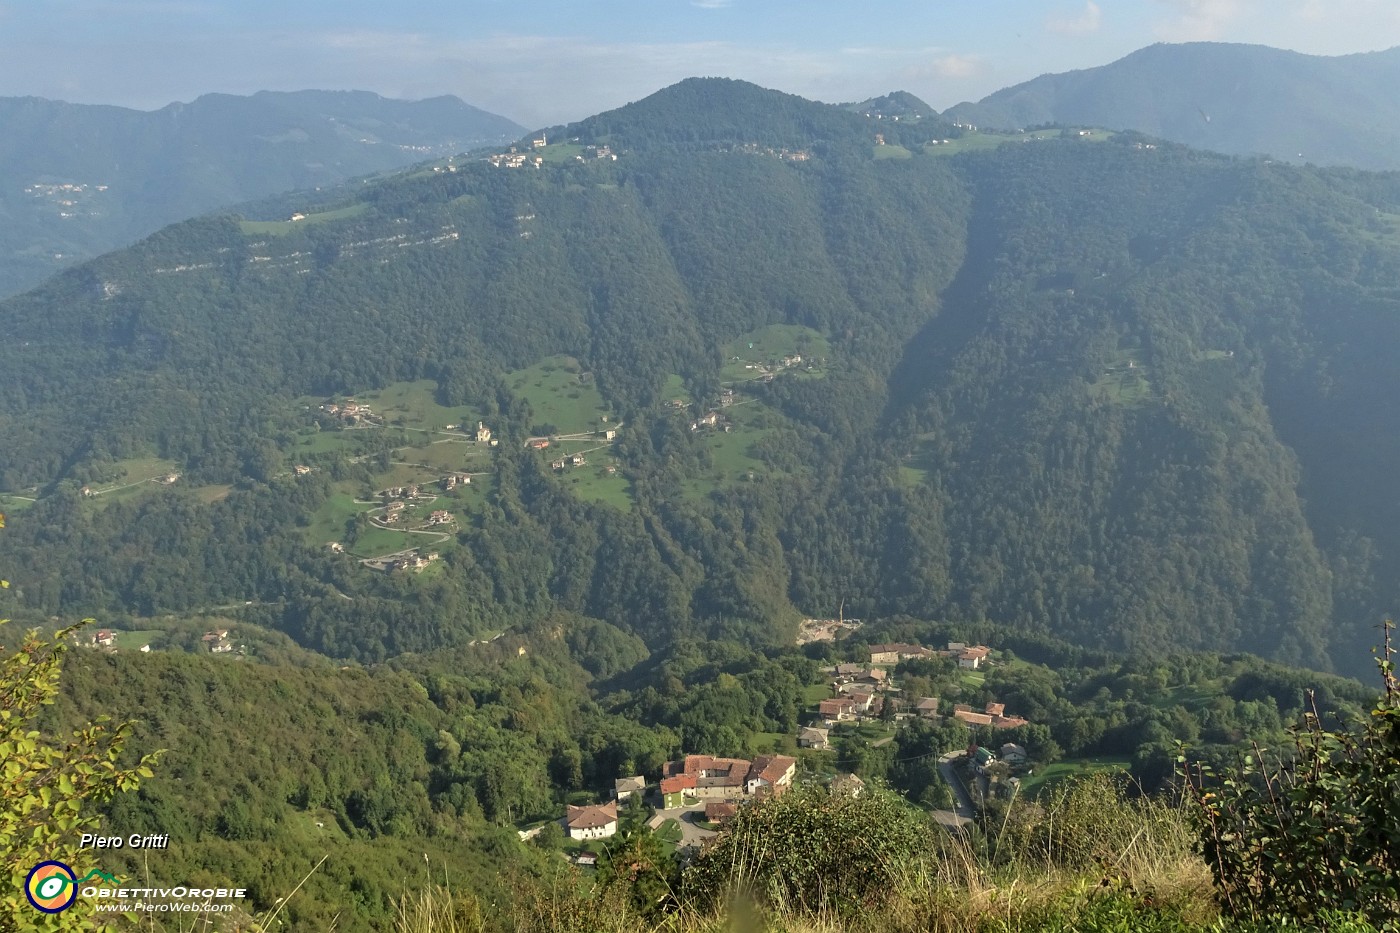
[1240,99]
[79,180]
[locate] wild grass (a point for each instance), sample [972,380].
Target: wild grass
[1091,857]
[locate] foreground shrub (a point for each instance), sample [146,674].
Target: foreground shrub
[1319,832]
[813,851]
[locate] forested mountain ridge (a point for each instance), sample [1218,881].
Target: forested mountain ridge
[85,179]
[1111,389]
[1239,99]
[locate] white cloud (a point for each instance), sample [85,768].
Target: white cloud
[955,66]
[539,80]
[711,4]
[1199,20]
[1088,20]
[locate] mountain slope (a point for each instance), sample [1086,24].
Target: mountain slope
[1137,397]
[1239,99]
[87,179]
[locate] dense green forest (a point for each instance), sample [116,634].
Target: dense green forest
[1110,390]
[276,757]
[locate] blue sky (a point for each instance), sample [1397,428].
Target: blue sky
[554,60]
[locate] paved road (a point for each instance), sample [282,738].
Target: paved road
[691,835]
[946,766]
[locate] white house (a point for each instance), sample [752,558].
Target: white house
[592,822]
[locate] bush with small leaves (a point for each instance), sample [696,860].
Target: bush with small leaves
[1317,832]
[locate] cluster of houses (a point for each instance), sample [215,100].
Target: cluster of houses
[414,562]
[514,159]
[577,460]
[994,714]
[861,691]
[217,641]
[349,410]
[711,419]
[706,777]
[969,657]
[452,480]
[106,639]
[723,785]
[597,152]
[720,783]
[782,155]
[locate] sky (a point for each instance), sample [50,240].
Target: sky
[551,61]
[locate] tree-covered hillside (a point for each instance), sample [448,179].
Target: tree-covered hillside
[83,179]
[1105,388]
[1240,99]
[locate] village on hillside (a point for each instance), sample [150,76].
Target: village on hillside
[696,795]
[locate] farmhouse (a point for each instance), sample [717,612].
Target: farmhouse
[972,658]
[676,790]
[731,778]
[216,641]
[848,784]
[813,737]
[839,710]
[591,822]
[625,787]
[720,812]
[894,653]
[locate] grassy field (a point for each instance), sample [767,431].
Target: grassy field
[14,504]
[560,152]
[916,468]
[329,521]
[892,152]
[447,456]
[731,460]
[762,350]
[777,743]
[981,142]
[1047,776]
[377,541]
[311,442]
[211,494]
[132,641]
[412,404]
[558,396]
[283,227]
[593,484]
[675,389]
[1125,381]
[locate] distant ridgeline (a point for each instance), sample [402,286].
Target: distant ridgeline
[774,358]
[84,179]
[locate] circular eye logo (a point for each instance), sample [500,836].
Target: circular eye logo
[51,887]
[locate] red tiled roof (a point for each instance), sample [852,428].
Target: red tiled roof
[717,811]
[674,785]
[974,719]
[772,768]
